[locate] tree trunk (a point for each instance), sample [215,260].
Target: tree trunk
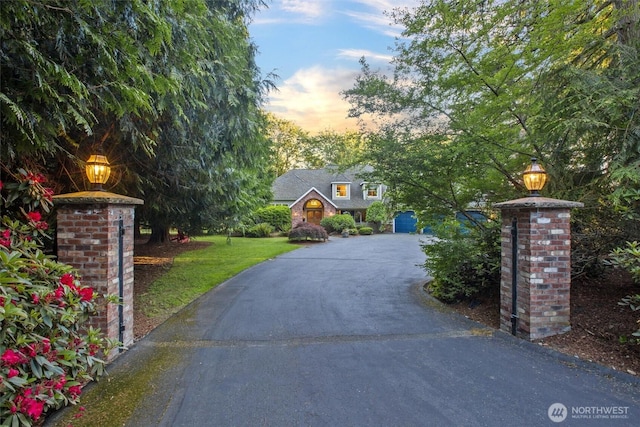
[136,228]
[159,234]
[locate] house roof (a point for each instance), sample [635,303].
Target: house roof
[294,184]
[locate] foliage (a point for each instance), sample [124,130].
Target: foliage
[262,229]
[306,231]
[47,352]
[288,142]
[480,87]
[294,148]
[633,301]
[332,148]
[365,231]
[278,216]
[337,223]
[379,214]
[169,91]
[464,264]
[629,259]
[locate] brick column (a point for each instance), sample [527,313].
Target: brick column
[543,271]
[88,238]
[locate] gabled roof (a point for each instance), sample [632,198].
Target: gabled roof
[296,183]
[316,190]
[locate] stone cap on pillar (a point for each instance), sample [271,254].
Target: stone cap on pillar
[93,197]
[538,203]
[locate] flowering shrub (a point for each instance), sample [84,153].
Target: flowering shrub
[46,352]
[307,231]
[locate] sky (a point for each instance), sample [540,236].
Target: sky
[314,47]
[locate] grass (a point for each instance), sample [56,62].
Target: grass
[195,272]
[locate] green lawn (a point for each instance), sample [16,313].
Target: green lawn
[195,272]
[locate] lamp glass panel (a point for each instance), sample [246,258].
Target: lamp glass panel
[534,177]
[97,169]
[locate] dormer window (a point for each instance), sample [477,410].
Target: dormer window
[341,190]
[372,191]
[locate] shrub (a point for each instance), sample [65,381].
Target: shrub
[464,264]
[46,352]
[260,230]
[378,214]
[629,259]
[278,216]
[306,231]
[366,231]
[337,223]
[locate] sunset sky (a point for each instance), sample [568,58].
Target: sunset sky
[314,47]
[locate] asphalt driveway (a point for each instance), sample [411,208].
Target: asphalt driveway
[340,334]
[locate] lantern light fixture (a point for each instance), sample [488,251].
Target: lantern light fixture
[534,177]
[98,170]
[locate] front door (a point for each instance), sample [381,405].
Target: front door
[314,216]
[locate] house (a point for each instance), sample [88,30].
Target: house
[313,194]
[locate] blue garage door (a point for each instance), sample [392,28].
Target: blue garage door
[405,222]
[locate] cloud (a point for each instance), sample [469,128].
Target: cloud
[376,18]
[359,53]
[307,8]
[301,11]
[311,99]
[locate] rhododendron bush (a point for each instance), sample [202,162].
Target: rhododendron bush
[46,351]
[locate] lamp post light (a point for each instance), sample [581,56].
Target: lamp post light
[534,178]
[98,171]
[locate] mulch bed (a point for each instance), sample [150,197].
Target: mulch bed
[601,329]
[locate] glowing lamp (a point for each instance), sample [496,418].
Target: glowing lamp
[534,178]
[98,170]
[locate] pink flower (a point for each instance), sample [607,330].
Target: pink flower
[30,350]
[35,178]
[75,391]
[67,279]
[86,294]
[93,349]
[11,357]
[46,345]
[13,373]
[60,384]
[59,292]
[34,216]
[35,298]
[33,408]
[5,238]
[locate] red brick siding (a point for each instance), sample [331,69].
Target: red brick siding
[88,240]
[297,210]
[544,271]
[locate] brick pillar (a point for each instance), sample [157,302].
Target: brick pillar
[88,238]
[543,271]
